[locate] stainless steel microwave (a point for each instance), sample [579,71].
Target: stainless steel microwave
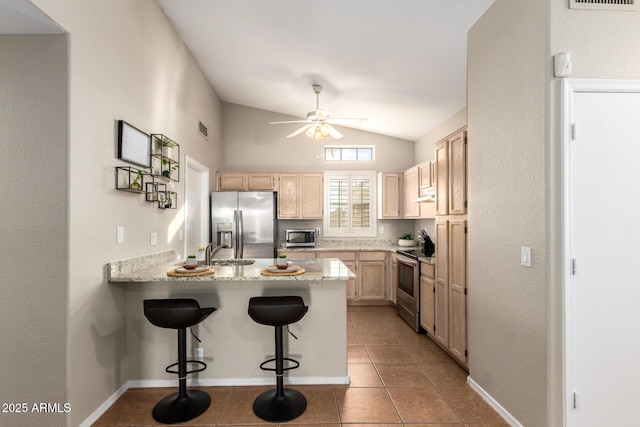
[297,238]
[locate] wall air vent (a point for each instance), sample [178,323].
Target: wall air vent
[203,129]
[626,5]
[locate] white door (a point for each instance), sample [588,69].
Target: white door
[602,235]
[196,217]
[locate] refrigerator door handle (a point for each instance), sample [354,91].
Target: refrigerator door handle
[240,235]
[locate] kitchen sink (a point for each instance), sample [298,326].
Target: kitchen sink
[223,262]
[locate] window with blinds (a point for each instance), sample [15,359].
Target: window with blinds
[349,204]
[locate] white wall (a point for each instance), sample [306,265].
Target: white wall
[125,62]
[33,252]
[604,45]
[507,314]
[251,144]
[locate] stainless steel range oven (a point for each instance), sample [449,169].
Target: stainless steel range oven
[408,292]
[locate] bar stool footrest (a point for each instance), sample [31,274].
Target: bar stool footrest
[204,366]
[296,366]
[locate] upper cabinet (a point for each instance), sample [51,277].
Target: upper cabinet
[300,196]
[241,181]
[411,192]
[451,175]
[390,195]
[427,179]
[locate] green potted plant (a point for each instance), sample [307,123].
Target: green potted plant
[281,262]
[167,147]
[191,263]
[136,185]
[406,240]
[168,168]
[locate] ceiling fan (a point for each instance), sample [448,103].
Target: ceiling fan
[318,123]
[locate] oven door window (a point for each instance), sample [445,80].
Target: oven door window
[405,278]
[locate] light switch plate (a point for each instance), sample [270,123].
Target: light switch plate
[153,240]
[525,256]
[119,234]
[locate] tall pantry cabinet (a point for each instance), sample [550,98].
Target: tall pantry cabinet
[450,297]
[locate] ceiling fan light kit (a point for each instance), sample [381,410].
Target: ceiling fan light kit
[318,122]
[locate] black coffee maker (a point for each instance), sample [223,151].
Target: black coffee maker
[427,248]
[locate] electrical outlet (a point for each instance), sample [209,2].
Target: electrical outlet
[317,231]
[381,229]
[153,239]
[199,353]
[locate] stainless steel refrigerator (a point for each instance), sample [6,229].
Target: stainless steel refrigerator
[246,221]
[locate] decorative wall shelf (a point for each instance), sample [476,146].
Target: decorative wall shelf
[132,179]
[165,158]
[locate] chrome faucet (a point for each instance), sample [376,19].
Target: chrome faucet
[210,253]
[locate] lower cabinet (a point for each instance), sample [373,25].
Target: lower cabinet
[348,259]
[369,268]
[450,288]
[394,277]
[370,281]
[427,298]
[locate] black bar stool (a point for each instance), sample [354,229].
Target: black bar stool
[179,314]
[281,404]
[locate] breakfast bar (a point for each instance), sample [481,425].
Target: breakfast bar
[233,344]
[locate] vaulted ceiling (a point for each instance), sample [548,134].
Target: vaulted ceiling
[400,63]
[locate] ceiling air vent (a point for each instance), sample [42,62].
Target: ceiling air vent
[627,5]
[203,129]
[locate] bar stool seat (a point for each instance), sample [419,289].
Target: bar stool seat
[280,404]
[180,314]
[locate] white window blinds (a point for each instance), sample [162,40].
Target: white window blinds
[349,202]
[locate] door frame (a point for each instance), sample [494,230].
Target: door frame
[569,88]
[190,162]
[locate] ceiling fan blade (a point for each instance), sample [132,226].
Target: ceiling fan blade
[299,131]
[290,121]
[346,119]
[334,133]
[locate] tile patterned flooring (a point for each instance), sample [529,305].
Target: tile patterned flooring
[398,378]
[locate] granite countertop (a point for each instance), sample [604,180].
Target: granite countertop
[155,268]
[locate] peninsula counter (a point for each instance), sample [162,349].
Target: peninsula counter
[234,345]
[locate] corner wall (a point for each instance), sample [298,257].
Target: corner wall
[125,62]
[33,254]
[507,317]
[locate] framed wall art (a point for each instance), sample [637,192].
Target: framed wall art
[134,146]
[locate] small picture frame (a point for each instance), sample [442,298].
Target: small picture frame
[134,146]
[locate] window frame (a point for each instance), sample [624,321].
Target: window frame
[342,147]
[370,231]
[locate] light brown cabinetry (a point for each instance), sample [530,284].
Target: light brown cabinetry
[394,277]
[427,297]
[241,181]
[369,267]
[451,286]
[348,259]
[300,196]
[411,192]
[370,280]
[426,177]
[413,188]
[298,254]
[451,174]
[390,195]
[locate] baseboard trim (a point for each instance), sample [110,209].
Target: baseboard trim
[105,405]
[513,422]
[208,383]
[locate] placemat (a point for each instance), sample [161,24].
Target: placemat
[266,272]
[174,273]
